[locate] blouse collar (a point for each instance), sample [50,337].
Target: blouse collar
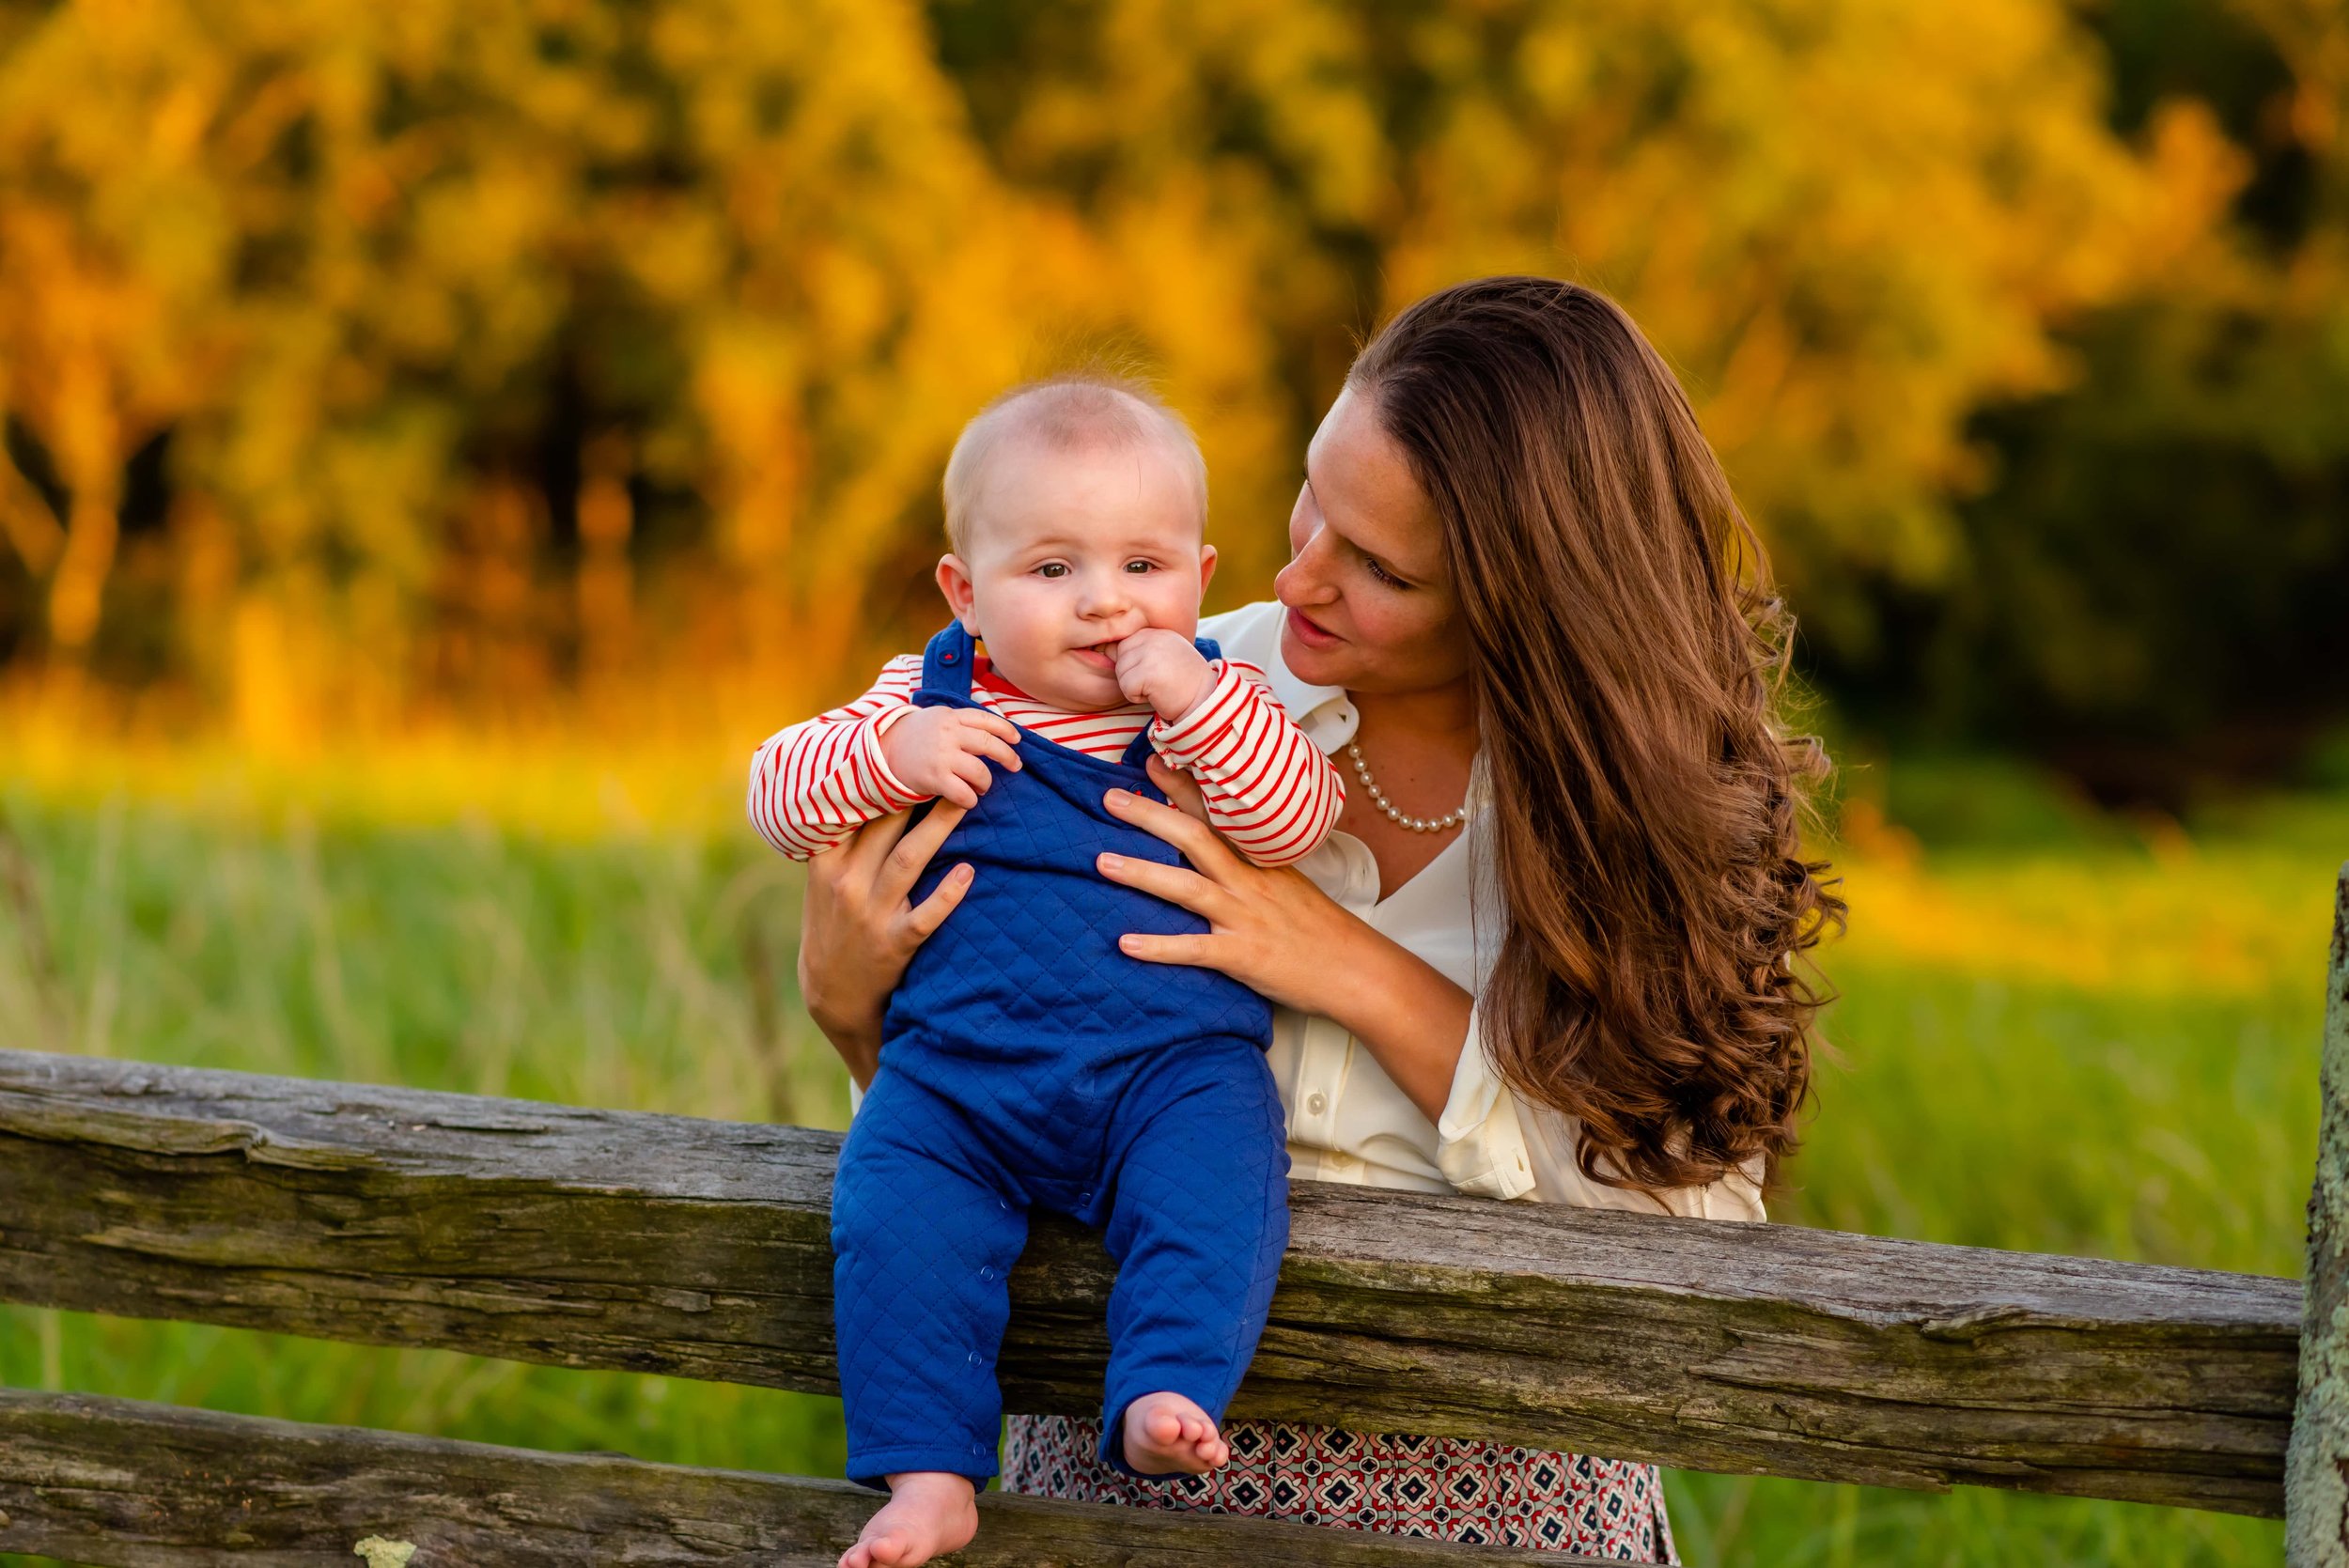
[1254,634]
[1323,712]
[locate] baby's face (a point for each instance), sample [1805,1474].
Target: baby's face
[1070,553]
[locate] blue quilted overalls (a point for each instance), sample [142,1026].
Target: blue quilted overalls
[1028,1061]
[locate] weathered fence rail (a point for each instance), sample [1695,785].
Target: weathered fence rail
[115,1482]
[613,1239]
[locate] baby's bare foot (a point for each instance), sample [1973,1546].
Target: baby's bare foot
[1166,1432]
[928,1513]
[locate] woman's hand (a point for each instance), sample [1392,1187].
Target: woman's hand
[1269,928]
[859,927]
[1276,933]
[1179,787]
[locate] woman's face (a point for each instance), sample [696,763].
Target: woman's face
[1370,604]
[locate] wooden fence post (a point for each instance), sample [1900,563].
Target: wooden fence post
[2317,1467]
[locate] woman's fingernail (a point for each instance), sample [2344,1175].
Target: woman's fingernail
[1110,863]
[1118,797]
[1126,943]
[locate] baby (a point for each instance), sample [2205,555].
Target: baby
[1026,1060]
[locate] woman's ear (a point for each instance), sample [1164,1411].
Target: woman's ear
[954,581]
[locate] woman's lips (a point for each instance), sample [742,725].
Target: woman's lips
[1311,635]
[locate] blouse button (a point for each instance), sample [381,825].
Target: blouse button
[1316,1103]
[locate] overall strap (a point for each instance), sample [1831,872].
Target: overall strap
[946,663]
[1138,754]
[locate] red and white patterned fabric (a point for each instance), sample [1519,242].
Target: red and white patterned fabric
[1268,790]
[1445,1488]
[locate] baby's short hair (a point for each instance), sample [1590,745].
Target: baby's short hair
[1070,412]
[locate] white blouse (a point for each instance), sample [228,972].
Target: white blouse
[1347,1122]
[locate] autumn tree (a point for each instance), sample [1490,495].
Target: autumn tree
[2151,582]
[504,347]
[365,262]
[1847,225]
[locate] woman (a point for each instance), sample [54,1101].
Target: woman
[1548,954]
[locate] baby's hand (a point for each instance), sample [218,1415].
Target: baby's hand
[1163,669]
[943,751]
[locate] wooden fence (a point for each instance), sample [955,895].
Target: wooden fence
[666,1244]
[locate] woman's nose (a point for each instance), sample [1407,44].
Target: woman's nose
[1306,579]
[1303,581]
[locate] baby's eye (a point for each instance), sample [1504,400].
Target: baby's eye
[1053,568]
[1140,566]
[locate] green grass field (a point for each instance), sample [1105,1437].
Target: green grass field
[2065,1035]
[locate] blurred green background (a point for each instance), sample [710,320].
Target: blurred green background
[439,440]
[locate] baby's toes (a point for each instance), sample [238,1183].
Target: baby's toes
[889,1550]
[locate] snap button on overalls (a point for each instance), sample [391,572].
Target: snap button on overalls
[1026,1060]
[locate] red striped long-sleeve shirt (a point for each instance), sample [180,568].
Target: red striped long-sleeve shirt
[1268,789]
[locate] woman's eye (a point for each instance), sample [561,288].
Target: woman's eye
[1382,574]
[1053,568]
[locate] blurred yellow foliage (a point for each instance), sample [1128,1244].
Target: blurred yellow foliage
[2172,926]
[562,789]
[513,347]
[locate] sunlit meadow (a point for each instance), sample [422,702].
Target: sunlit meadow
[2057,1032]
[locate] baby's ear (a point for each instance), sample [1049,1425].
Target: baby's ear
[954,581]
[1207,567]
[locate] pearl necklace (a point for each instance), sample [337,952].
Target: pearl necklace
[1377,798]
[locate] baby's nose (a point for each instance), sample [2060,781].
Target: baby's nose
[1103,599]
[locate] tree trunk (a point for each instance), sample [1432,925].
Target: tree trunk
[90,447]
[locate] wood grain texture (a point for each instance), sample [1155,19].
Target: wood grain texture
[124,1485]
[2316,1523]
[666,1244]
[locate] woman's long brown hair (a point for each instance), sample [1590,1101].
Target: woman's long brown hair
[1629,660]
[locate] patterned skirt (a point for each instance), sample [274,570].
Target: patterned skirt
[1450,1489]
